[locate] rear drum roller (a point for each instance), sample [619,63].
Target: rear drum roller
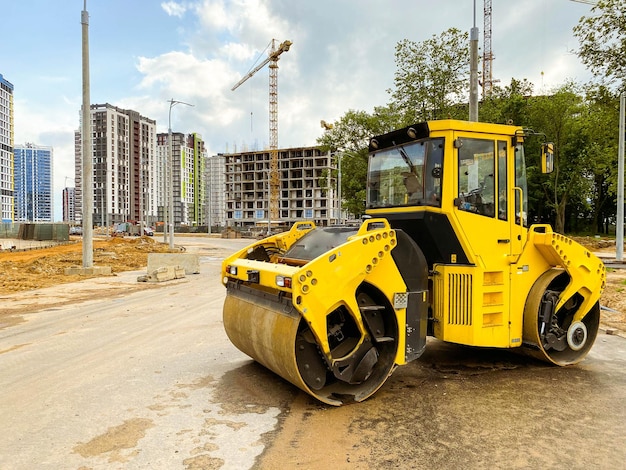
[275,335]
[554,336]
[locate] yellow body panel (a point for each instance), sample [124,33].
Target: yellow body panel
[470,306]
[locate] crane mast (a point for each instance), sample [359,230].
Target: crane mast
[274,180]
[487,53]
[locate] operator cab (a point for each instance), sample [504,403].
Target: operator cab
[436,180]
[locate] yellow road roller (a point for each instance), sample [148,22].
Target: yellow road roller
[445,251]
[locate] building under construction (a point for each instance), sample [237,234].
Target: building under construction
[308,188]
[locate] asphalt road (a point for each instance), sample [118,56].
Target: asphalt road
[148,380]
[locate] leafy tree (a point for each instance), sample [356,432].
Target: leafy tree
[432,77]
[601,120]
[353,181]
[602,40]
[354,129]
[348,138]
[559,117]
[509,104]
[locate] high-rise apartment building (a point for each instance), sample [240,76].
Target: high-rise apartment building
[215,197]
[69,195]
[33,183]
[124,159]
[188,177]
[6,151]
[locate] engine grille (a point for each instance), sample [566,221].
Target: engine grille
[460,299]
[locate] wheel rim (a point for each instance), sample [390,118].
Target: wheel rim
[555,337]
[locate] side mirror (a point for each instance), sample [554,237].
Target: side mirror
[547,157]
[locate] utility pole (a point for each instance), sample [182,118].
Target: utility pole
[619,227]
[87,164]
[473,99]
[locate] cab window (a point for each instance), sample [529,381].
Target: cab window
[502,184]
[521,187]
[476,191]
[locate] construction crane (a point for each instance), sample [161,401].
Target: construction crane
[487,78]
[274,180]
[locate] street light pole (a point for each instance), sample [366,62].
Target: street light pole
[173,103]
[619,226]
[164,187]
[210,175]
[87,152]
[339,156]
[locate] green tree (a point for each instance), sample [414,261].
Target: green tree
[348,139]
[601,36]
[432,77]
[601,120]
[354,129]
[509,104]
[559,116]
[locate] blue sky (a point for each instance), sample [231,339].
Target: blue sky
[144,52]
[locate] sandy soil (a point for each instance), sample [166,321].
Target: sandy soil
[45,267]
[34,269]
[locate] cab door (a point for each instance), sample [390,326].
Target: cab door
[482,199]
[482,210]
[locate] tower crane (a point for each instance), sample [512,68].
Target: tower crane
[488,57]
[272,59]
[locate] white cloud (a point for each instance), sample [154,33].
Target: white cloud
[174,8]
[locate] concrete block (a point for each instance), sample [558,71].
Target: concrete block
[162,274]
[190,262]
[92,271]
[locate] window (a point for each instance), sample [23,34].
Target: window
[476,176]
[502,185]
[408,175]
[520,186]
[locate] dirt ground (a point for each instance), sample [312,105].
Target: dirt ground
[45,267]
[32,269]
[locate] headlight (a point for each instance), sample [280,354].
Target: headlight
[283,281]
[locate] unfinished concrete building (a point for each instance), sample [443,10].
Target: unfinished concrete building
[307,187]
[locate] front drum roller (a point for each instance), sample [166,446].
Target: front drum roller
[273,333]
[554,336]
